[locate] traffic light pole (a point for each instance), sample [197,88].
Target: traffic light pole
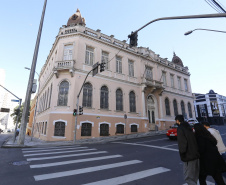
[77,106]
[179,17]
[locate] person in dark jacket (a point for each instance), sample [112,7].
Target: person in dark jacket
[211,162]
[188,150]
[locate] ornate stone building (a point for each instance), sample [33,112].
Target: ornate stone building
[138,83]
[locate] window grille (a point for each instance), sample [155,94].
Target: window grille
[133,128]
[63,93]
[104,97]
[120,129]
[86,129]
[59,129]
[104,130]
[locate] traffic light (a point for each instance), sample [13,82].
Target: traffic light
[74,112]
[133,39]
[102,66]
[80,110]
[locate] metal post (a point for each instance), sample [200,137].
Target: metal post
[77,105]
[30,83]
[17,119]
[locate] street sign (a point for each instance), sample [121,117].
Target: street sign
[15,100]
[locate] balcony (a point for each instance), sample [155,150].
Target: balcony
[64,65]
[152,84]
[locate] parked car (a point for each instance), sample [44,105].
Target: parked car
[192,121]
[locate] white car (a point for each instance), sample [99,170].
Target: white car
[192,121]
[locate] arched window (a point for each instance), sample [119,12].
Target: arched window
[63,93]
[153,116]
[87,95]
[175,107]
[120,129]
[86,129]
[47,99]
[59,129]
[189,110]
[119,100]
[183,109]
[132,101]
[104,129]
[167,105]
[104,97]
[133,128]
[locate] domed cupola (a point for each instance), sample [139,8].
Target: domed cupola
[76,19]
[177,60]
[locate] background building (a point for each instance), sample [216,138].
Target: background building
[210,107]
[137,84]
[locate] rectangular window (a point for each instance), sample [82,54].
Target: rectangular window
[185,85]
[179,82]
[131,68]
[164,78]
[118,64]
[172,80]
[68,52]
[104,59]
[89,55]
[149,74]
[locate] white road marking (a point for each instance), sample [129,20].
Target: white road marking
[74,161]
[62,152]
[84,170]
[207,182]
[131,177]
[35,151]
[170,145]
[151,146]
[63,156]
[153,140]
[42,148]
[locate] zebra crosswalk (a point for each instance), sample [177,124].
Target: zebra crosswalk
[96,161]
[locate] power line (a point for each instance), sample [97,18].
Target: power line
[216,5]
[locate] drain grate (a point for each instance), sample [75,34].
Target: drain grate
[20,163]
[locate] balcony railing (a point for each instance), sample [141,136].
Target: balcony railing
[64,65]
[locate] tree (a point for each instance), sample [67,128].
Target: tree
[15,112]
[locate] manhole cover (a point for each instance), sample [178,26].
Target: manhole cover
[19,163]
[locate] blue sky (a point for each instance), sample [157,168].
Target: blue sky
[202,51]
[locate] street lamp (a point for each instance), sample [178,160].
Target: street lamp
[189,32]
[34,120]
[30,82]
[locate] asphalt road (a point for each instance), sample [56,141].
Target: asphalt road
[154,160]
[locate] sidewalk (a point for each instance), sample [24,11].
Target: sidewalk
[35,142]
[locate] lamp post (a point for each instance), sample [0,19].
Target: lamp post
[189,32]
[34,120]
[30,82]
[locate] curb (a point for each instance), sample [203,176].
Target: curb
[99,140]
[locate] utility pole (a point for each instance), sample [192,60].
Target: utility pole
[30,83]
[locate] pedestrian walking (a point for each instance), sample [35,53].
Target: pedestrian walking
[211,162]
[188,150]
[220,144]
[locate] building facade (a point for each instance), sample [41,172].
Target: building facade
[210,107]
[138,92]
